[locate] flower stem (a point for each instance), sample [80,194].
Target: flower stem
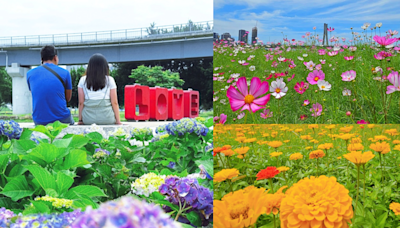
[317,168]
[358,188]
[364,182]
[230,185]
[274,220]
[380,160]
[270,182]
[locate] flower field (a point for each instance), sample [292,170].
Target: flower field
[138,178]
[351,81]
[306,175]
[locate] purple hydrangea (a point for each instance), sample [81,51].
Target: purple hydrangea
[5,217]
[62,220]
[126,212]
[183,126]
[187,191]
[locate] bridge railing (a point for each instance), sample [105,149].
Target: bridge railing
[108,36]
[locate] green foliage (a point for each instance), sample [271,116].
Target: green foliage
[76,75]
[155,76]
[5,87]
[190,26]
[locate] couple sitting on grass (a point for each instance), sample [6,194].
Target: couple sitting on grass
[51,88]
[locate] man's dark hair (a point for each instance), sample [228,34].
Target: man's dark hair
[97,72]
[48,52]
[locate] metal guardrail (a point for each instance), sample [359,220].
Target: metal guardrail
[107,36]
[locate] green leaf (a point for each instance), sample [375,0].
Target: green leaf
[88,190]
[95,137]
[62,143]
[194,218]
[43,129]
[17,188]
[380,222]
[83,201]
[183,225]
[18,169]
[209,122]
[4,158]
[45,179]
[51,192]
[22,146]
[138,160]
[26,134]
[78,141]
[64,182]
[46,152]
[41,207]
[75,158]
[208,165]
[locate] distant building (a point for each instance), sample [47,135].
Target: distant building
[243,36]
[254,35]
[216,36]
[225,36]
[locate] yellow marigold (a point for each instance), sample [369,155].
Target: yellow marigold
[250,140]
[355,147]
[370,126]
[225,174]
[283,168]
[275,154]
[312,126]
[239,129]
[397,147]
[359,158]
[239,134]
[395,207]
[346,136]
[275,144]
[298,130]
[274,201]
[262,142]
[396,141]
[240,208]
[242,150]
[356,140]
[392,132]
[251,133]
[265,135]
[382,147]
[240,139]
[330,126]
[296,156]
[325,146]
[317,154]
[228,152]
[380,138]
[286,141]
[339,158]
[316,202]
[346,129]
[309,148]
[306,137]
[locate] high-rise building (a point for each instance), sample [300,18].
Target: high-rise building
[254,35]
[243,36]
[225,36]
[216,36]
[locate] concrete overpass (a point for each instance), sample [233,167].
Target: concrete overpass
[184,41]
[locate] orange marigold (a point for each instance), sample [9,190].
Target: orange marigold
[395,207]
[359,158]
[325,146]
[242,150]
[312,126]
[306,137]
[225,174]
[356,140]
[355,147]
[228,152]
[250,140]
[283,169]
[316,202]
[380,138]
[275,144]
[275,154]
[382,147]
[317,154]
[274,201]
[295,156]
[396,141]
[346,129]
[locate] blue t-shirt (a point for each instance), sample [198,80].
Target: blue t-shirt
[48,94]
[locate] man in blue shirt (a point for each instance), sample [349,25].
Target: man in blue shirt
[50,93]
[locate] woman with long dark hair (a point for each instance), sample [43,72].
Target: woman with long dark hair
[97,92]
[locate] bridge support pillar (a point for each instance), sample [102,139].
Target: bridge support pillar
[21,96]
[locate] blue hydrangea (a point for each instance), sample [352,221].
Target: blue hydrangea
[183,126]
[62,220]
[10,128]
[5,217]
[187,191]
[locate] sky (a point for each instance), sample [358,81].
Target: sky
[293,18]
[39,17]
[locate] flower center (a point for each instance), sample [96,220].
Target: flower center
[316,78]
[323,87]
[239,209]
[300,89]
[278,90]
[248,99]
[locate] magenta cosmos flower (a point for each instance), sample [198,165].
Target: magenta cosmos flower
[348,75]
[301,87]
[221,118]
[393,78]
[316,109]
[314,76]
[383,41]
[248,99]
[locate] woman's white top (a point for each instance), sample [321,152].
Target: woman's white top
[99,94]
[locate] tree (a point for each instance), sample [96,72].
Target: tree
[76,75]
[155,76]
[5,87]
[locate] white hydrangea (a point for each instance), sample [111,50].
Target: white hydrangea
[96,128]
[147,184]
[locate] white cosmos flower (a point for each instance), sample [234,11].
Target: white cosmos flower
[336,48]
[252,68]
[241,115]
[367,24]
[305,55]
[252,56]
[235,75]
[346,92]
[278,88]
[300,58]
[324,85]
[280,59]
[241,61]
[378,24]
[364,27]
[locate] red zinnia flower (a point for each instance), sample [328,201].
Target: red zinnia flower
[267,173]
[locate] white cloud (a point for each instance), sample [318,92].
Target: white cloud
[40,17]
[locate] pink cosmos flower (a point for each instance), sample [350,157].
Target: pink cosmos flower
[333,53]
[274,64]
[303,117]
[268,57]
[394,32]
[352,48]
[348,76]
[266,114]
[321,52]
[310,65]
[362,122]
[318,67]
[248,99]
[316,109]
[348,58]
[330,29]
[290,79]
[393,78]
[322,61]
[301,87]
[379,56]
[221,118]
[241,115]
[306,102]
[383,40]
[314,76]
